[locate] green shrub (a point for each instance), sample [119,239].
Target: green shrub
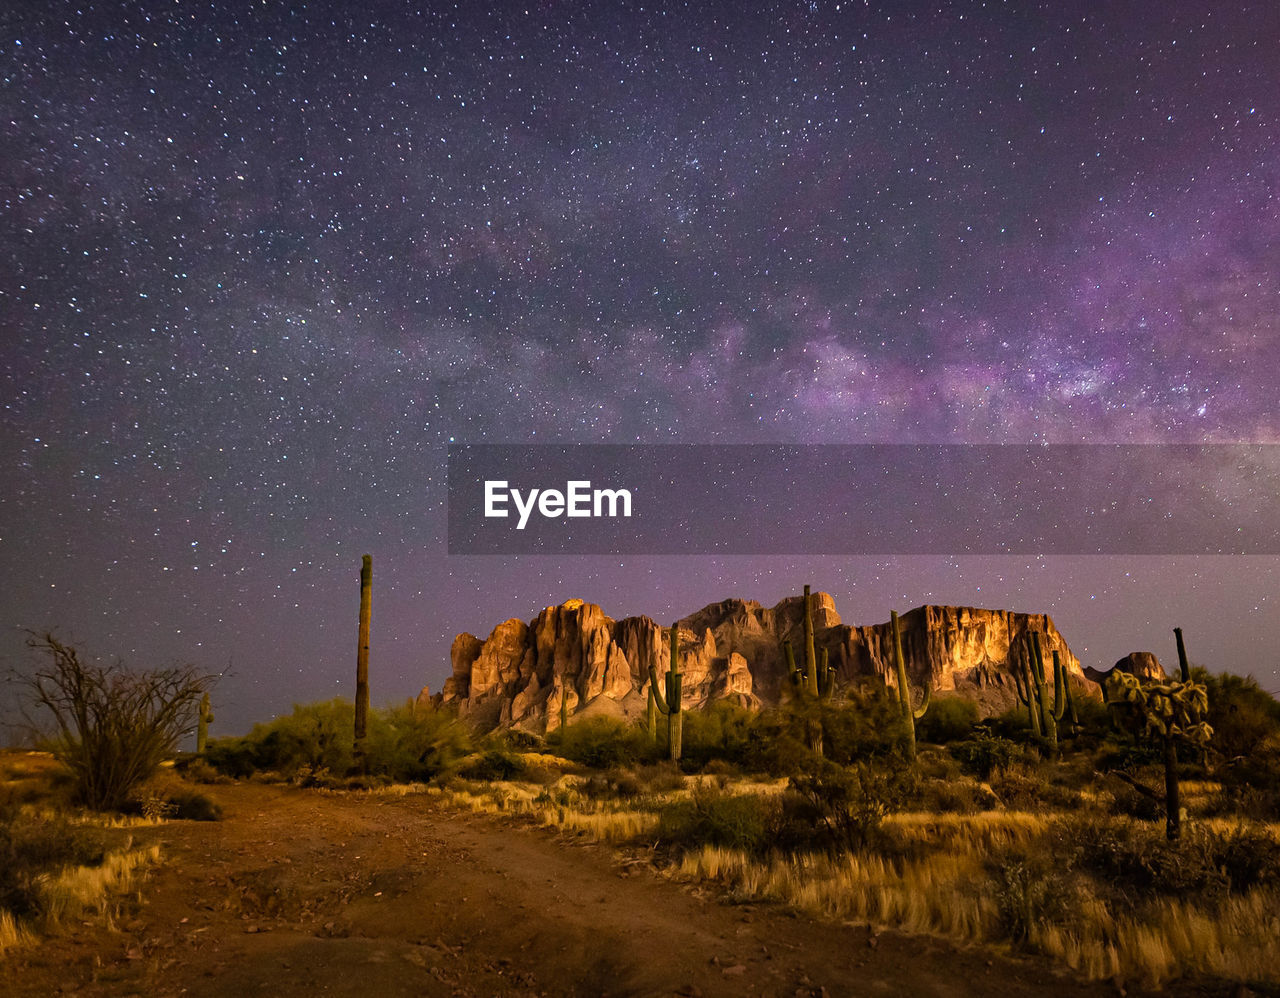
[494,764]
[616,784]
[1242,714]
[837,808]
[312,745]
[948,719]
[715,818]
[1030,889]
[1135,860]
[722,733]
[865,724]
[601,743]
[985,754]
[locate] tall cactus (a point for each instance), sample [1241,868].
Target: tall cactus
[1183,665]
[671,705]
[1062,694]
[817,679]
[362,664]
[203,719]
[1045,709]
[909,715]
[1048,720]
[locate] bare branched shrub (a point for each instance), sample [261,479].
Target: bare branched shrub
[114,725]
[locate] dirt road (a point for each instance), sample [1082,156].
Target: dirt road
[302,893]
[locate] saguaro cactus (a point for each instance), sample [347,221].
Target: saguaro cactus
[815,683]
[1062,694]
[564,705]
[817,680]
[1049,721]
[1045,709]
[1183,665]
[671,705]
[203,719]
[362,662]
[909,715]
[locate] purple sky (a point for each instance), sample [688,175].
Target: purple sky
[256,274]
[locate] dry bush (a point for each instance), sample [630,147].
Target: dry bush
[114,725]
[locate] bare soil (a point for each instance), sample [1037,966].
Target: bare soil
[299,892]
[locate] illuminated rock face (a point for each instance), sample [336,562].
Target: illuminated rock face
[730,650]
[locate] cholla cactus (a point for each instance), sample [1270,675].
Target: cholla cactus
[1171,710]
[1165,714]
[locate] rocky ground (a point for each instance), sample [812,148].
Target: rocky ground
[299,892]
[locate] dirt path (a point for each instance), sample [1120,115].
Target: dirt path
[301,892]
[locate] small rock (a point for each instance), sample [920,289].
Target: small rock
[737,970]
[689,991]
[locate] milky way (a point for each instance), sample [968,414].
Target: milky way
[258,270]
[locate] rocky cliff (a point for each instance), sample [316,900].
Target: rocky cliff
[730,650]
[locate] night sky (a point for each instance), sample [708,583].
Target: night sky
[261,263]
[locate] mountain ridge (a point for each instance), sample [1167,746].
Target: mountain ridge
[730,650]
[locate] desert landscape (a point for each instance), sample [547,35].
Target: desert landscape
[777,818]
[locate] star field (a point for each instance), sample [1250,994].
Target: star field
[262,263]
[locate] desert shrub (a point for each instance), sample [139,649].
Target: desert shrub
[114,725]
[1020,787]
[712,817]
[659,777]
[407,745]
[192,806]
[1242,714]
[1030,889]
[493,764]
[31,845]
[865,724]
[837,807]
[985,753]
[1092,713]
[313,745]
[1248,855]
[954,797]
[722,732]
[775,744]
[1135,858]
[600,743]
[198,770]
[234,758]
[948,719]
[616,784]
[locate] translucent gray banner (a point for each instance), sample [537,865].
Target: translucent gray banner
[864,499]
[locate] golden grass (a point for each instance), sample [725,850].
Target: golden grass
[77,890]
[1239,941]
[948,892]
[939,882]
[934,896]
[603,826]
[13,935]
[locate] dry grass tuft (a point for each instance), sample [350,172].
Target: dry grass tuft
[77,890]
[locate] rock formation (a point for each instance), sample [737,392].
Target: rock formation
[730,650]
[1142,664]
